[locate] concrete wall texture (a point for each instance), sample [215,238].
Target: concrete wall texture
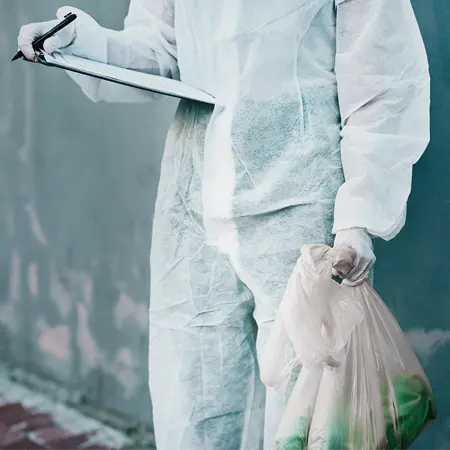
[77,187]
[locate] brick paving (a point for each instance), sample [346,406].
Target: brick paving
[30,421]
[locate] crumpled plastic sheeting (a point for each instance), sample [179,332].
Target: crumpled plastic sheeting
[361,385]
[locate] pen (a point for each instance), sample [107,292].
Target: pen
[38,43]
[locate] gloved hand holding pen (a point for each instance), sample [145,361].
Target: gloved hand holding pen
[71,39]
[29,33]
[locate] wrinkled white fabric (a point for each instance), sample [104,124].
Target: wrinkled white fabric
[308,91]
[146,44]
[383,85]
[282,72]
[204,305]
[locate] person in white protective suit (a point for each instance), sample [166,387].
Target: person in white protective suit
[322,110]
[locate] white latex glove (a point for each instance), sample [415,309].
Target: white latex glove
[60,40]
[360,241]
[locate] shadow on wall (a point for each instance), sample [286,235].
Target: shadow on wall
[77,187]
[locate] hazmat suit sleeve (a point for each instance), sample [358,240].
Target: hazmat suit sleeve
[384,94]
[146,44]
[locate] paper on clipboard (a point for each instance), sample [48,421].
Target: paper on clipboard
[132,78]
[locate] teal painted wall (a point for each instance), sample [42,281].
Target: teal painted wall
[77,187]
[412,273]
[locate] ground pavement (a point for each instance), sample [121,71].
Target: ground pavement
[30,421]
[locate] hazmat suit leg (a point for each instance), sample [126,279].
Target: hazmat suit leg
[265,270]
[203,370]
[211,310]
[203,375]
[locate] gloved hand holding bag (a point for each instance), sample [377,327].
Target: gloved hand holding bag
[361,386]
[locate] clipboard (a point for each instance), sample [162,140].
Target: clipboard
[127,77]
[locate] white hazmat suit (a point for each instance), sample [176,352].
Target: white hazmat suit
[323,108]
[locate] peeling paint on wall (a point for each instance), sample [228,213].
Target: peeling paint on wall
[60,295]
[74,228]
[75,224]
[128,310]
[54,341]
[14,276]
[33,280]
[35,225]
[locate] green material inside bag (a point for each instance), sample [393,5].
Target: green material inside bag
[416,408]
[298,439]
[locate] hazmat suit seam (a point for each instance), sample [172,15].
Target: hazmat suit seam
[244,167]
[189,212]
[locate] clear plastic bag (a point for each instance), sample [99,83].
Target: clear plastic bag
[361,386]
